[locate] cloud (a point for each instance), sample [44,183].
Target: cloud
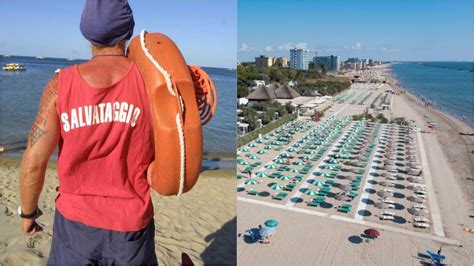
[301,45]
[285,47]
[244,47]
[356,46]
[268,48]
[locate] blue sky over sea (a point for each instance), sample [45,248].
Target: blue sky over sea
[422,30]
[205,31]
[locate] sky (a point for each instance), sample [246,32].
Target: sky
[405,30]
[205,30]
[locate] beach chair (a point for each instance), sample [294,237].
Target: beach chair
[421,225]
[252,192]
[314,203]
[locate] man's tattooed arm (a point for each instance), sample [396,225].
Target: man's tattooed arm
[44,136]
[48,101]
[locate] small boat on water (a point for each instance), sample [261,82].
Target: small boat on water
[7,55]
[40,57]
[14,67]
[71,59]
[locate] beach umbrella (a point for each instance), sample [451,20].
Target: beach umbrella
[242,162]
[333,161]
[417,212]
[270,166]
[251,145]
[293,170]
[341,197]
[251,156]
[345,187]
[372,233]
[278,160]
[259,140]
[381,205]
[306,157]
[276,186]
[251,181]
[267,231]
[261,174]
[318,183]
[271,223]
[325,174]
[261,152]
[284,177]
[384,193]
[244,150]
[386,184]
[299,163]
[414,187]
[329,167]
[414,179]
[311,192]
[291,149]
[268,147]
[240,176]
[286,155]
[415,199]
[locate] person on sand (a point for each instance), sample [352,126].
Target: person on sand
[98,113]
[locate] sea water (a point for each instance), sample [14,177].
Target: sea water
[20,94]
[449,86]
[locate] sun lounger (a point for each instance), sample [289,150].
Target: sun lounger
[252,192]
[388,213]
[421,219]
[421,225]
[386,217]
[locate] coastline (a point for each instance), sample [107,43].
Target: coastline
[457,148]
[200,223]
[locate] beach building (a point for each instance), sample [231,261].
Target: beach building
[264,61]
[286,92]
[281,62]
[273,91]
[242,128]
[331,61]
[299,59]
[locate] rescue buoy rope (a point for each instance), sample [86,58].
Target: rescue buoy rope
[169,86]
[166,75]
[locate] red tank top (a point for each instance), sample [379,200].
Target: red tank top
[105,148]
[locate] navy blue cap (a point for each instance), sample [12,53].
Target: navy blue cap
[106,22]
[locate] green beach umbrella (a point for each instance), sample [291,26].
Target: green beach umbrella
[271,223]
[311,192]
[259,141]
[242,162]
[318,183]
[261,152]
[268,147]
[325,174]
[276,186]
[251,181]
[278,160]
[333,161]
[285,154]
[293,170]
[299,163]
[261,174]
[284,177]
[252,145]
[270,166]
[244,150]
[291,149]
[251,156]
[240,176]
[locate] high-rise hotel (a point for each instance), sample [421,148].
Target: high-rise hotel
[299,58]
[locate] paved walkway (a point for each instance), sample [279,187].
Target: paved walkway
[435,212]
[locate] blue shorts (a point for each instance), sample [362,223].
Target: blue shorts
[77,243]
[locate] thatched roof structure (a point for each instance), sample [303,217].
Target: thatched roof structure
[285,92]
[262,93]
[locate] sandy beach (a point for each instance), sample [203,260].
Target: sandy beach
[322,235]
[201,223]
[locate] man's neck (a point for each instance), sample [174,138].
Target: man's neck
[108,51]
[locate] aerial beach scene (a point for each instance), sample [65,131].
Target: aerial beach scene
[200,223]
[355,134]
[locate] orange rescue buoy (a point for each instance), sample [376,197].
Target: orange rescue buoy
[182,99]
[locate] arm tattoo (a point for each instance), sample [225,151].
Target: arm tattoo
[49,98]
[35,135]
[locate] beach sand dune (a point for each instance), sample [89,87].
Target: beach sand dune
[200,223]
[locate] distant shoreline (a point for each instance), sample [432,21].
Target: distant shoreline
[396,84]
